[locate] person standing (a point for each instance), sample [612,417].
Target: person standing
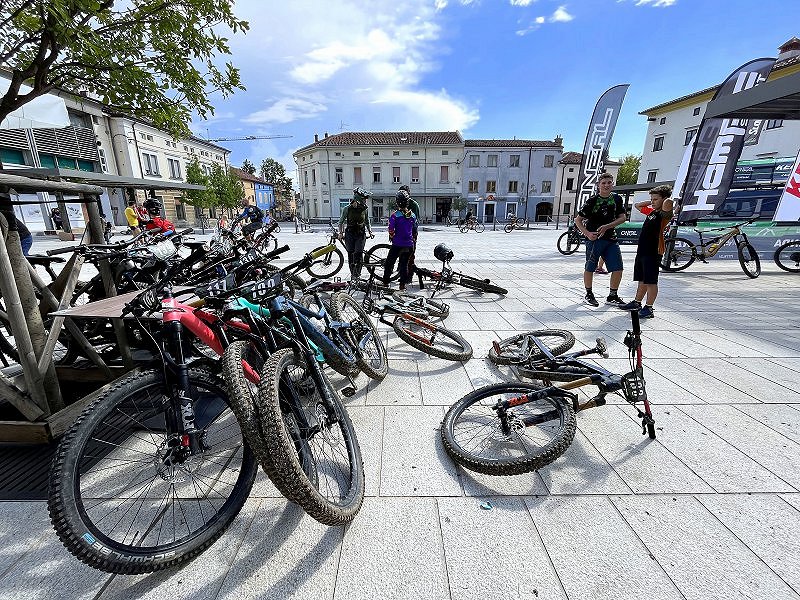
[55,216]
[132,217]
[596,220]
[25,237]
[402,229]
[414,206]
[354,227]
[658,212]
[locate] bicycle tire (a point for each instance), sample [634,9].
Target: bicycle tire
[553,375]
[749,260]
[433,308]
[326,266]
[371,359]
[508,228]
[453,347]
[530,454]
[464,227]
[375,258]
[509,347]
[479,227]
[286,378]
[679,249]
[74,520]
[474,283]
[568,243]
[787,256]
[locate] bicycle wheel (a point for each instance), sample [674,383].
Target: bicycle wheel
[363,335]
[432,339]
[414,303]
[326,266]
[479,227]
[299,421]
[519,350]
[749,260]
[566,243]
[787,256]
[680,254]
[375,261]
[482,285]
[508,228]
[464,227]
[122,499]
[536,433]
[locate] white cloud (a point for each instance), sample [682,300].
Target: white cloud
[540,20]
[561,15]
[430,110]
[286,110]
[522,2]
[658,3]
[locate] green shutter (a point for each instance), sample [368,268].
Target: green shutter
[48,161]
[85,165]
[12,156]
[66,163]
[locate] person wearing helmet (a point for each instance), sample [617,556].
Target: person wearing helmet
[253,217]
[153,208]
[402,232]
[412,204]
[354,227]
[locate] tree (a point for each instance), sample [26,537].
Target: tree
[248,167]
[226,187]
[629,171]
[151,59]
[201,198]
[275,173]
[459,204]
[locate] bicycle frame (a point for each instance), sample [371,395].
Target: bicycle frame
[712,246]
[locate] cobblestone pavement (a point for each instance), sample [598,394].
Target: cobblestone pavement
[711,509]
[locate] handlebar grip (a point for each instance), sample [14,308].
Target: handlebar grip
[272,227]
[186,231]
[61,250]
[277,251]
[322,251]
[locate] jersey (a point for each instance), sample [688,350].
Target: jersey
[651,238]
[601,211]
[251,214]
[356,218]
[132,216]
[160,223]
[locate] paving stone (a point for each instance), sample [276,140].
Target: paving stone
[767,525]
[17,541]
[702,558]
[772,371]
[393,550]
[414,462]
[682,344]
[719,344]
[705,386]
[477,542]
[400,387]
[764,341]
[595,553]
[443,382]
[746,379]
[783,418]
[368,423]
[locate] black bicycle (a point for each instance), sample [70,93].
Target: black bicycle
[569,241]
[787,256]
[447,276]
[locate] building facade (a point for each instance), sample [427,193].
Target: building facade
[428,162]
[503,177]
[256,189]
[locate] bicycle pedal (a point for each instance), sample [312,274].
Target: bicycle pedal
[348,391]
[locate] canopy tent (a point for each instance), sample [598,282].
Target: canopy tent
[776,99]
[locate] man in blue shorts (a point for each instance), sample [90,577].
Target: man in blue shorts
[596,220]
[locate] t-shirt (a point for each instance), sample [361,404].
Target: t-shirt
[354,217]
[160,223]
[601,211]
[132,217]
[651,238]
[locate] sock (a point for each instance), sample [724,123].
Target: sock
[589,290]
[612,292]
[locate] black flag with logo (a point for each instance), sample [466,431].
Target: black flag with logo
[598,139]
[718,147]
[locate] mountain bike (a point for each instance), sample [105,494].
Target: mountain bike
[447,276]
[518,427]
[787,256]
[516,223]
[569,241]
[680,252]
[329,265]
[471,224]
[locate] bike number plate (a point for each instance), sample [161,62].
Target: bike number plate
[268,287]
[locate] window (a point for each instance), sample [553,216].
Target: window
[339,175]
[445,152]
[180,211]
[696,111]
[662,121]
[395,174]
[150,164]
[658,143]
[337,153]
[376,154]
[491,187]
[689,135]
[444,174]
[567,206]
[95,119]
[376,174]
[414,174]
[474,160]
[512,186]
[570,183]
[513,160]
[473,187]
[103,162]
[774,123]
[491,160]
[357,175]
[174,168]
[305,178]
[651,176]
[313,177]
[415,153]
[548,160]
[547,187]
[356,153]
[395,153]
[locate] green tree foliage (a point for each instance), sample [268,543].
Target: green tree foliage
[226,186]
[148,58]
[629,171]
[275,173]
[202,198]
[459,204]
[248,167]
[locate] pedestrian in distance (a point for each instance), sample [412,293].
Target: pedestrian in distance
[402,228]
[58,221]
[658,213]
[25,237]
[414,206]
[596,220]
[132,217]
[354,228]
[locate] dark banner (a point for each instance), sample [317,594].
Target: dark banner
[718,147]
[598,139]
[753,132]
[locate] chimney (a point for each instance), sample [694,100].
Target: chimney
[789,49]
[559,140]
[316,138]
[326,134]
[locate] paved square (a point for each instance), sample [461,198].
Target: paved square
[711,509]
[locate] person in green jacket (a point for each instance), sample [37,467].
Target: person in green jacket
[354,226]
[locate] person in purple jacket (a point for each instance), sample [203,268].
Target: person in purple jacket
[402,228]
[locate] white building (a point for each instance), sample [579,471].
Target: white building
[429,162]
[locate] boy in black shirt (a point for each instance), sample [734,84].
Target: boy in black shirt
[658,211]
[596,220]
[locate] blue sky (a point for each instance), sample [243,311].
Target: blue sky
[489,68]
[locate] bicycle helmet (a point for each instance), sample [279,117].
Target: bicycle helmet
[402,199]
[443,253]
[360,193]
[153,206]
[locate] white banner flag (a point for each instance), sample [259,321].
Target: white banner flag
[789,204]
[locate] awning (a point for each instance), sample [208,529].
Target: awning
[101,179]
[776,99]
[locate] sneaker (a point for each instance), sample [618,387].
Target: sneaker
[614,300]
[601,271]
[646,313]
[632,305]
[590,299]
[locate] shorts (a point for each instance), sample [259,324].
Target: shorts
[608,250]
[645,268]
[251,228]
